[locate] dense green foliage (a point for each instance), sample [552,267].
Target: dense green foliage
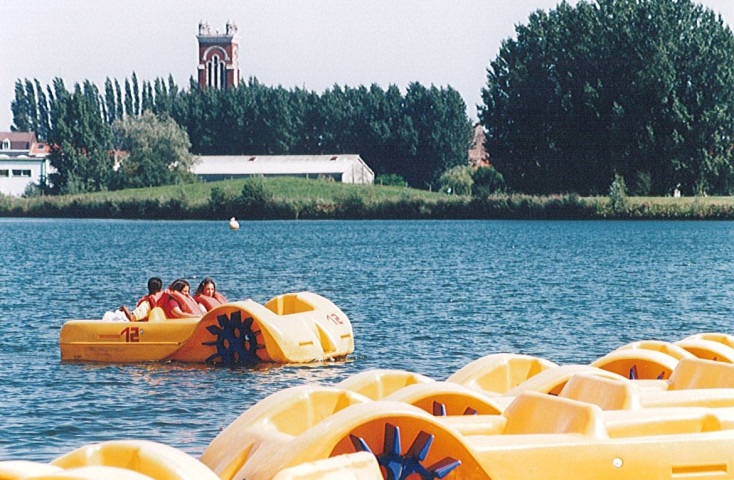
[416,136]
[157,151]
[81,141]
[488,181]
[299,198]
[643,88]
[457,180]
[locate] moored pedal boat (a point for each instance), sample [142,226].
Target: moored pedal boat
[504,417]
[295,327]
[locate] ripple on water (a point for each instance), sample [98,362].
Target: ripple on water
[423,296]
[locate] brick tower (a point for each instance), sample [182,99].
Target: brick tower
[218,57]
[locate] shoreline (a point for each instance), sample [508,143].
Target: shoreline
[360,206]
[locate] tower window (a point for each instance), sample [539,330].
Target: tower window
[215,73]
[6,144]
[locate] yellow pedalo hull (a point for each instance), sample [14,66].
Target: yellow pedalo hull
[648,410]
[295,327]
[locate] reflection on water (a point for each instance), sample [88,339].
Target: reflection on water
[424,296]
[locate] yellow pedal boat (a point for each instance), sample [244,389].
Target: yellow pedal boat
[599,425]
[290,328]
[648,410]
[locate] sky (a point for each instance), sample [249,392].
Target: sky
[312,44]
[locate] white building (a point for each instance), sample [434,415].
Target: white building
[23,161]
[342,168]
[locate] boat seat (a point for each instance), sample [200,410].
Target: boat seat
[709,397]
[533,412]
[606,393]
[691,373]
[660,421]
[476,424]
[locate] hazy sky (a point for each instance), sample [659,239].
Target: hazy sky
[306,43]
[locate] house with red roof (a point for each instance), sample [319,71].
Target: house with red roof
[23,161]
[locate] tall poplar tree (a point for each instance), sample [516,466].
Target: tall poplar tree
[19,107]
[109,95]
[136,95]
[81,141]
[43,129]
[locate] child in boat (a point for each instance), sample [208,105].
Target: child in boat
[177,302]
[207,296]
[145,304]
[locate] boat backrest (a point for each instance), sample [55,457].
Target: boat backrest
[157,315]
[499,372]
[607,393]
[378,384]
[289,304]
[533,412]
[708,349]
[645,363]
[693,373]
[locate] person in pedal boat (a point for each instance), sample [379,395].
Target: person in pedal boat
[207,296]
[177,302]
[147,303]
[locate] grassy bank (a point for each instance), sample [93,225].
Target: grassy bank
[296,198]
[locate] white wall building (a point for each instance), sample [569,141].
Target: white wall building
[342,168]
[23,161]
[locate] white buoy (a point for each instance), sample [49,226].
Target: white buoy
[233,224]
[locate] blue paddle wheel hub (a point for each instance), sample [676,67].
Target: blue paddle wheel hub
[400,466]
[236,341]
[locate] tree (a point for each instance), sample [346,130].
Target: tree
[43,130]
[157,151]
[32,106]
[119,112]
[20,108]
[618,194]
[128,99]
[457,180]
[487,180]
[440,132]
[80,140]
[110,102]
[623,86]
[136,95]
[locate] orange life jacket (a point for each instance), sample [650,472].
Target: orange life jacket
[185,302]
[210,302]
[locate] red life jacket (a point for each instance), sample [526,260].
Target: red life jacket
[151,299]
[211,302]
[185,302]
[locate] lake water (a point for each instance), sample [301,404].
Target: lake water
[426,296]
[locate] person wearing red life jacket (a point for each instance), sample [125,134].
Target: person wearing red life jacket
[207,296]
[147,303]
[177,303]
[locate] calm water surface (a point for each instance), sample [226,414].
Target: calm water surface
[426,296]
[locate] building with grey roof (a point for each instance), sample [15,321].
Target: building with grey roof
[342,168]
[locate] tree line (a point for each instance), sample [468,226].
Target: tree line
[415,136]
[636,90]
[639,88]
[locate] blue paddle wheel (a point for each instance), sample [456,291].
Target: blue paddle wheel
[400,466]
[439,410]
[236,341]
